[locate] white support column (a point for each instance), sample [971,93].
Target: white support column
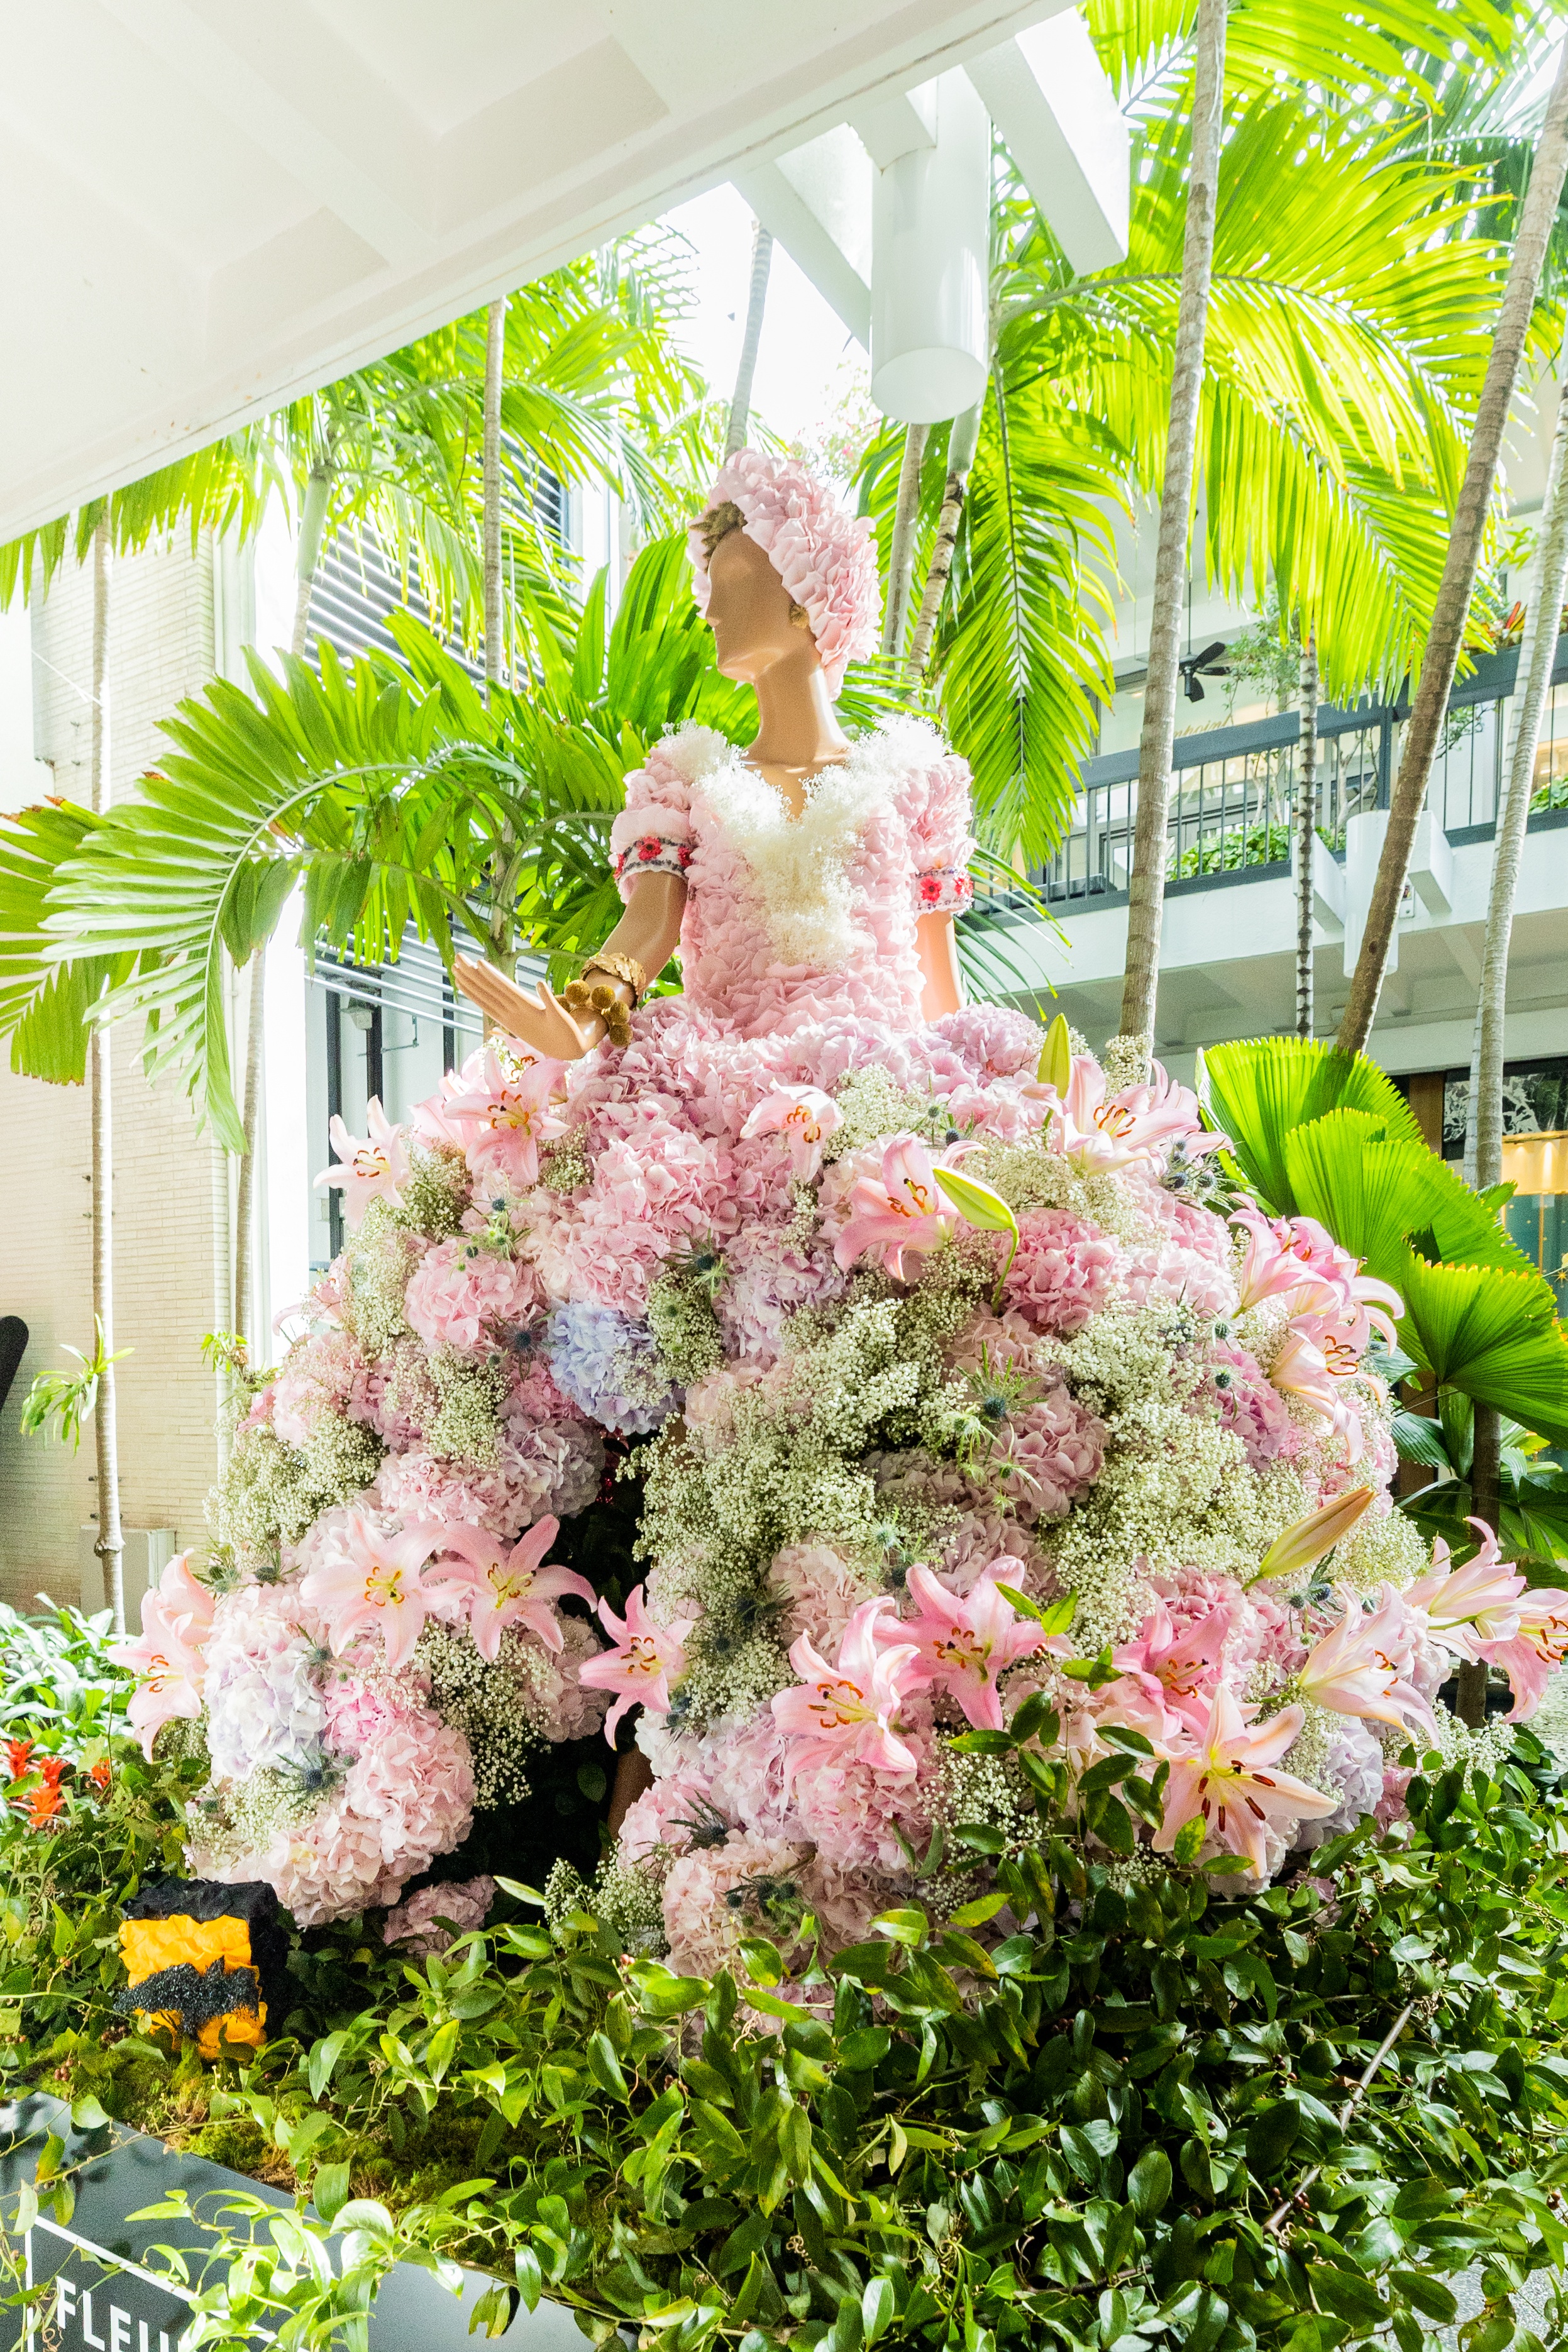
[931,264]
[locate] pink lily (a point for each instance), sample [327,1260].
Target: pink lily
[371,1584]
[376,1169]
[505,1115]
[505,1585]
[644,1665]
[1105,1132]
[1470,1608]
[1531,1656]
[1224,1782]
[805,1116]
[1312,1360]
[848,1713]
[176,1618]
[170,1685]
[1362,1665]
[1175,1671]
[962,1645]
[1300,1260]
[902,1209]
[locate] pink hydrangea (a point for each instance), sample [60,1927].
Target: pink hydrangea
[770,1274]
[1053,1452]
[1063,1271]
[664,1815]
[266,1687]
[1250,1405]
[465,1903]
[855,1814]
[821,1592]
[326,1373]
[710,1898]
[408,1795]
[465,1295]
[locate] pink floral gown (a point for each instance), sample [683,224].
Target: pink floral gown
[799,967]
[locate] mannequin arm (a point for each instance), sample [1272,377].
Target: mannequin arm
[943,990]
[649,931]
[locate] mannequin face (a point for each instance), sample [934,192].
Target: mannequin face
[749,614]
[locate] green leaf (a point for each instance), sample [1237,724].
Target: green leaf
[329,2189]
[1261,1091]
[1346,2295]
[1425,2294]
[1271,2136]
[878,2304]
[1149,2184]
[1189,1842]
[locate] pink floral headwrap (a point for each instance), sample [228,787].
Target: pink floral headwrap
[824,556]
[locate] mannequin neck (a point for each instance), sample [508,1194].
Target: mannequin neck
[797,727]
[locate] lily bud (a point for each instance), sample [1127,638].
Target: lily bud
[1055,1061]
[1301,1547]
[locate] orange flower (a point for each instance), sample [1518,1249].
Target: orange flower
[44,1804]
[53,1770]
[98,1776]
[18,1753]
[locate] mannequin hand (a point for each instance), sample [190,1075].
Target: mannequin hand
[541,1021]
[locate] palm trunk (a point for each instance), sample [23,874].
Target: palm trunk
[740,405]
[962,436]
[308,554]
[1447,632]
[307,563]
[1146,892]
[244,1192]
[495,369]
[901,554]
[109,1545]
[1533,681]
[1306,833]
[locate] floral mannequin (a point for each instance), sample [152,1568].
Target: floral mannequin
[763,635]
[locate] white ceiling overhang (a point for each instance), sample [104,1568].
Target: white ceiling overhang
[213,206]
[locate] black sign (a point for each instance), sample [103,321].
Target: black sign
[107,2293]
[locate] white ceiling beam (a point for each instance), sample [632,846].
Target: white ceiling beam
[816,200]
[1049,97]
[176,32]
[896,126]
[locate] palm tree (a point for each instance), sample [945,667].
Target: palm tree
[1341,369]
[1451,609]
[567,377]
[1146,883]
[109,1544]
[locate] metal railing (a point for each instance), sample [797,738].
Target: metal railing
[1234,792]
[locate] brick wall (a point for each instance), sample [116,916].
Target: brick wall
[170,1187]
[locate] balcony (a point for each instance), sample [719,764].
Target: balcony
[1234,801]
[1229,951]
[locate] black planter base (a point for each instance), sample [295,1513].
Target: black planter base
[108,2299]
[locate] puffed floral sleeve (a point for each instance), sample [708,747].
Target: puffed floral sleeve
[935,800]
[654,832]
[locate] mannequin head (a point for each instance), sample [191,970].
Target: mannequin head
[801,548]
[758,628]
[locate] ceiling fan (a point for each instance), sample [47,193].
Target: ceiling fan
[1197,666]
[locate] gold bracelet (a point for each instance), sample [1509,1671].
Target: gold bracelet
[623,967]
[600,1004]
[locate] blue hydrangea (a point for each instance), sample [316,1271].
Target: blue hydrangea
[609,1365]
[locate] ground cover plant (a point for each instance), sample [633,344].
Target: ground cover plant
[1172,2111]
